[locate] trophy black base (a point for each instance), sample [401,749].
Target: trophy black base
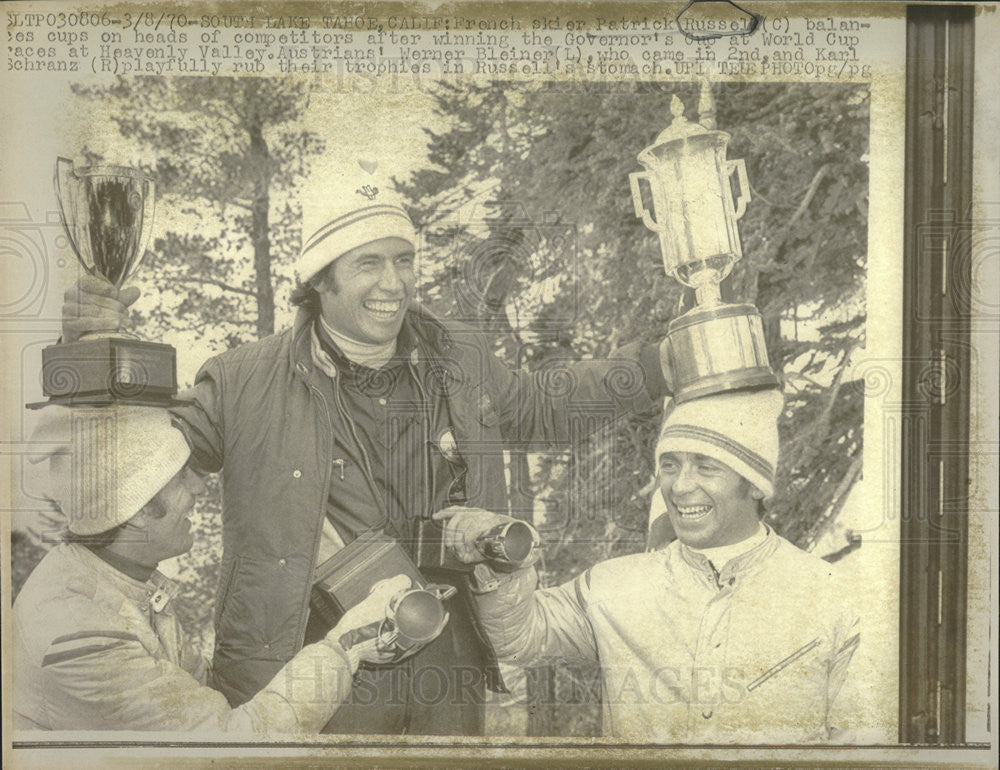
[107,370]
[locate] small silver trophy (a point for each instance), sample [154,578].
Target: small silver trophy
[714,346]
[107,214]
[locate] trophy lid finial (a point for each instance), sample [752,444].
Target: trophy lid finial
[677,108]
[706,105]
[680,127]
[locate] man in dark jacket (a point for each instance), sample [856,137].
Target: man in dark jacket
[369,414]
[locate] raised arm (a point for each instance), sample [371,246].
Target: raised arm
[568,400]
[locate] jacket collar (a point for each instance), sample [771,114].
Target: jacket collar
[133,569]
[300,351]
[736,569]
[421,331]
[155,593]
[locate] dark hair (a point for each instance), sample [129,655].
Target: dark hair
[154,507]
[304,295]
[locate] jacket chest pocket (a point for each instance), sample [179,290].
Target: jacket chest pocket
[351,498]
[275,495]
[800,664]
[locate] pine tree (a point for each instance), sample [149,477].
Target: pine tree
[228,155]
[559,156]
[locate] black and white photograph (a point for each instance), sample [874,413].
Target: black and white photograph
[518,385]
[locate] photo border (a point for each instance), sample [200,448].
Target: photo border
[935,418]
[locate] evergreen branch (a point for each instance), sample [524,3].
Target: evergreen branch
[220,284]
[793,377]
[838,501]
[810,194]
[210,110]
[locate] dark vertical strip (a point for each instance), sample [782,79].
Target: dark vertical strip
[935,417]
[957,356]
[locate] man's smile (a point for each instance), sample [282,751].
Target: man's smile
[693,512]
[384,310]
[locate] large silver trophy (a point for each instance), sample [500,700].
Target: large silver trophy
[107,214]
[714,346]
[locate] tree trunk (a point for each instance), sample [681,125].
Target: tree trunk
[259,225]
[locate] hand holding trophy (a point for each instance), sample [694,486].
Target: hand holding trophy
[107,215]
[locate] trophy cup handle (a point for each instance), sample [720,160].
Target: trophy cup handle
[442,592]
[387,634]
[64,169]
[741,172]
[146,223]
[640,209]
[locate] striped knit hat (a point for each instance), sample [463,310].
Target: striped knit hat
[106,463]
[346,209]
[739,429]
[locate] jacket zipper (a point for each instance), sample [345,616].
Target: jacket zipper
[303,612]
[493,660]
[428,472]
[342,411]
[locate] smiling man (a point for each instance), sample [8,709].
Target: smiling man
[730,634]
[368,414]
[96,641]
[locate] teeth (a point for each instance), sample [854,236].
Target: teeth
[693,511]
[382,307]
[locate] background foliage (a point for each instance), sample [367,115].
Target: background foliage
[529,232]
[551,252]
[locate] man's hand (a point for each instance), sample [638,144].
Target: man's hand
[357,631]
[93,304]
[463,526]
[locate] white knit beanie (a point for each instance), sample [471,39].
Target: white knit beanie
[106,463]
[738,428]
[347,208]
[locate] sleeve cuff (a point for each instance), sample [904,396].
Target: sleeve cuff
[485,580]
[656,384]
[338,648]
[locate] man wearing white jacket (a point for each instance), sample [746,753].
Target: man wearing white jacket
[729,634]
[96,642]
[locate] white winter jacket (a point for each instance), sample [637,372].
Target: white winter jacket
[94,649]
[754,653]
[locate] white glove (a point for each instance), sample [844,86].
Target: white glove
[357,631]
[463,526]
